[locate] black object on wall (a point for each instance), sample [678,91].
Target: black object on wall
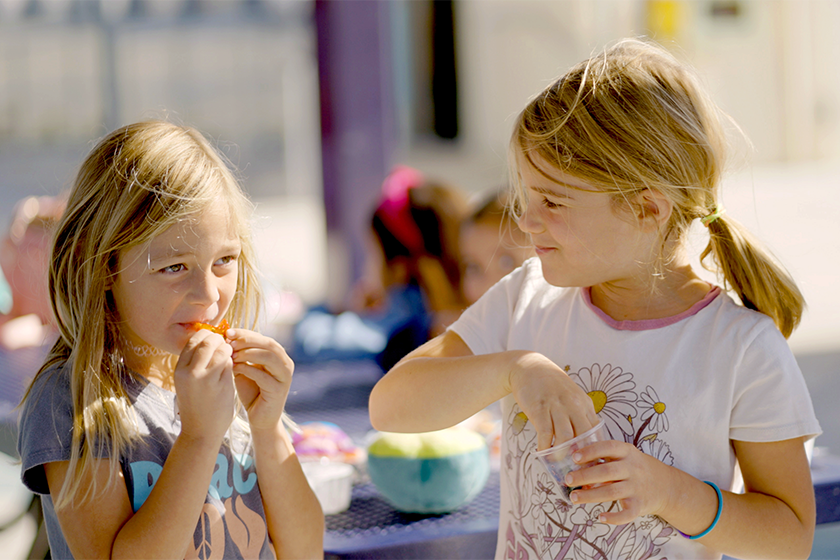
[444,78]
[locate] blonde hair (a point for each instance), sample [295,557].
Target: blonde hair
[634,118]
[136,183]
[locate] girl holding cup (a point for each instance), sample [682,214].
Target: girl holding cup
[611,165]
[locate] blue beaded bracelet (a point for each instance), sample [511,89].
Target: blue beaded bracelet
[717,515]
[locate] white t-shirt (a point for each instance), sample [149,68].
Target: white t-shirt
[679,388]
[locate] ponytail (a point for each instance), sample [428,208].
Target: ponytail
[753,274]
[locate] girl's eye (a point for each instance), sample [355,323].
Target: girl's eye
[226,260]
[171,269]
[550,205]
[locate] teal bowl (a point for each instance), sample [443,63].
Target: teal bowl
[438,485]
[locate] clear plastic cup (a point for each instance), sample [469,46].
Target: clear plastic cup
[558,459]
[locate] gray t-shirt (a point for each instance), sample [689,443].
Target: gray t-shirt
[233,518]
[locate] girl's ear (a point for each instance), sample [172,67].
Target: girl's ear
[653,208]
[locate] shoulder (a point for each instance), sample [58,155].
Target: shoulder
[523,297]
[770,400]
[751,344]
[49,390]
[46,425]
[741,325]
[535,297]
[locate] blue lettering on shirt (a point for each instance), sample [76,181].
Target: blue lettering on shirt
[146,474]
[219,487]
[241,463]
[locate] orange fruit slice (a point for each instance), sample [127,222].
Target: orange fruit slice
[221,329]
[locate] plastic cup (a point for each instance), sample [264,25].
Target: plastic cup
[558,459]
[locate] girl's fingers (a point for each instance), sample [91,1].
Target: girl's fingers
[257,349]
[543,423]
[604,490]
[581,424]
[204,351]
[607,450]
[590,476]
[258,375]
[271,361]
[563,430]
[188,354]
[243,338]
[625,512]
[554,429]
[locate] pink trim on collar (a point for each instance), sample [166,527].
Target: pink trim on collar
[649,324]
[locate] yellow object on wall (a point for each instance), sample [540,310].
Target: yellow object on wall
[664,19]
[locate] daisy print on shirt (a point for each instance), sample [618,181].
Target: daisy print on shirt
[542,525]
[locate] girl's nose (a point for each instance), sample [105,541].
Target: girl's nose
[205,288]
[529,221]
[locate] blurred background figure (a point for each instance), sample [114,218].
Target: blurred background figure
[492,245]
[410,287]
[415,243]
[27,319]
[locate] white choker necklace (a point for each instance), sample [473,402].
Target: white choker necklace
[143,350]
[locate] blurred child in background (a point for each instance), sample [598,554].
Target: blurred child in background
[27,319]
[492,245]
[410,289]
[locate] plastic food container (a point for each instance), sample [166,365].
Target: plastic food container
[332,483]
[558,459]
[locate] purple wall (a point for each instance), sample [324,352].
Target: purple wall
[357,122]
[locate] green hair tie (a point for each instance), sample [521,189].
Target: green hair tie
[718,212]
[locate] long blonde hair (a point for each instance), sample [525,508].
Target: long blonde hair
[137,182]
[635,118]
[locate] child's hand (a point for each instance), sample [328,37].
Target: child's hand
[263,375]
[638,482]
[204,385]
[554,404]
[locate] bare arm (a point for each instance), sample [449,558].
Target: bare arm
[773,518]
[442,383]
[436,386]
[776,515]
